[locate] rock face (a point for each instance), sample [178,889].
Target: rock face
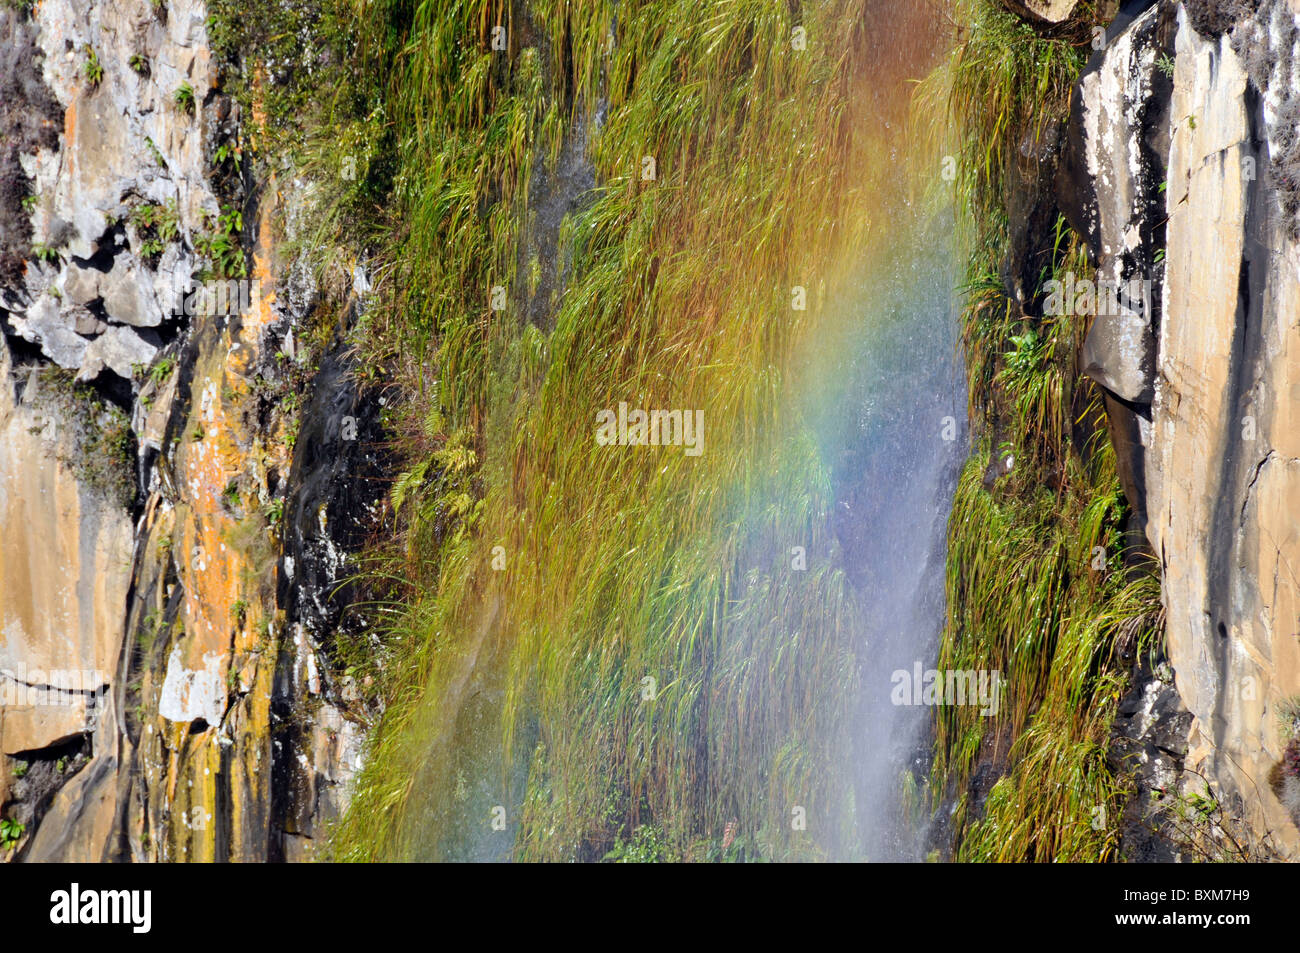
[1044,11]
[146,453]
[63,590]
[119,146]
[1119,352]
[1199,128]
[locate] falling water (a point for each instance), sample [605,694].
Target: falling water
[898,448]
[883,388]
[893,425]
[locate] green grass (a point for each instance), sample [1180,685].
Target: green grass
[46,253]
[11,832]
[157,225]
[1005,83]
[1025,594]
[522,688]
[620,565]
[162,370]
[91,68]
[183,97]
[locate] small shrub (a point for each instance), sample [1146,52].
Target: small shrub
[221,246]
[646,846]
[45,253]
[158,226]
[160,372]
[11,833]
[92,69]
[184,98]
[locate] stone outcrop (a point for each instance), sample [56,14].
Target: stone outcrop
[1044,11]
[122,144]
[1185,139]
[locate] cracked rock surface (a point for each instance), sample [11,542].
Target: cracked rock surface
[1180,121]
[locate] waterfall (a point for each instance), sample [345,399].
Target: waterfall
[899,445]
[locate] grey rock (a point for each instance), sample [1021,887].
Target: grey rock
[85,323]
[128,297]
[1208,445]
[44,324]
[1118,101]
[1119,353]
[1044,11]
[81,285]
[120,349]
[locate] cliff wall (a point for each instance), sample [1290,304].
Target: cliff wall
[1185,141]
[166,467]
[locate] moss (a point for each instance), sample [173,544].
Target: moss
[103,446]
[277,55]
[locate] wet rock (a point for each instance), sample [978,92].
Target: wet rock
[1149,748]
[30,120]
[209,686]
[1122,95]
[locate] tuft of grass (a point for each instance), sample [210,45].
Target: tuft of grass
[531,680]
[11,832]
[1005,82]
[91,68]
[222,247]
[162,370]
[183,97]
[155,152]
[46,253]
[157,226]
